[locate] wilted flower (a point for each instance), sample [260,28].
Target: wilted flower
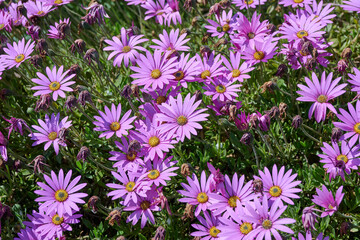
[83,153]
[17,125]
[309,217]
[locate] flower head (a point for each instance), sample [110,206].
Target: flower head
[208,227]
[295,3]
[129,156]
[237,70]
[171,42]
[325,199]
[355,80]
[351,6]
[58,31]
[222,89]
[260,51]
[350,122]
[222,25]
[17,53]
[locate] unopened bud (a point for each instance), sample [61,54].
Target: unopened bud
[310,64]
[78,45]
[36,60]
[160,233]
[269,86]
[336,133]
[83,154]
[92,54]
[221,41]
[283,107]
[188,212]
[70,102]
[282,69]
[185,169]
[258,186]
[205,51]
[84,97]
[297,121]
[126,92]
[346,54]
[114,216]
[43,103]
[92,203]
[232,112]
[246,138]
[147,97]
[198,95]
[342,65]
[135,91]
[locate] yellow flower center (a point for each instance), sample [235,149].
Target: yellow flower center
[205,74]
[19,58]
[298,1]
[226,27]
[251,35]
[58,1]
[154,141]
[54,86]
[245,228]
[40,13]
[357,128]
[61,195]
[275,191]
[302,33]
[330,206]
[220,88]
[153,174]
[114,126]
[202,197]
[303,53]
[322,98]
[214,231]
[248,1]
[182,120]
[2,26]
[130,156]
[52,135]
[232,201]
[259,55]
[343,158]
[160,100]
[236,73]
[267,224]
[126,49]
[130,186]
[179,75]
[145,205]
[155,73]
[57,220]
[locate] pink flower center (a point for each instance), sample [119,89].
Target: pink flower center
[214,231]
[154,141]
[57,220]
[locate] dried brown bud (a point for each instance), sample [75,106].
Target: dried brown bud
[269,86]
[258,186]
[221,41]
[254,121]
[43,103]
[198,95]
[342,65]
[114,216]
[35,20]
[225,4]
[38,162]
[274,112]
[307,48]
[246,138]
[185,31]
[64,29]
[126,92]
[78,45]
[282,69]
[271,27]
[205,51]
[188,5]
[283,107]
[159,234]
[188,212]
[134,146]
[135,91]
[42,46]
[21,10]
[310,64]
[214,9]
[92,54]
[74,69]
[297,121]
[185,169]
[232,112]
[36,60]
[147,97]
[345,227]
[205,38]
[84,97]
[194,21]
[92,203]
[83,154]
[336,133]
[346,54]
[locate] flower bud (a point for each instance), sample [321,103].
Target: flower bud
[34,19]
[309,217]
[38,162]
[36,60]
[92,54]
[126,92]
[134,146]
[205,51]
[188,5]
[246,138]
[346,54]
[3,93]
[283,107]
[185,169]
[297,121]
[274,112]
[159,234]
[307,48]
[42,46]
[269,86]
[92,203]
[3,140]
[43,103]
[258,186]
[85,96]
[21,10]
[63,134]
[78,45]
[271,27]
[198,95]
[254,121]
[83,154]
[74,69]
[147,97]
[336,133]
[17,165]
[70,102]
[64,29]
[282,69]
[232,112]
[114,216]
[310,64]
[188,212]
[342,65]
[135,91]
[345,227]
[221,41]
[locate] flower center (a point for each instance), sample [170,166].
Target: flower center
[214,231]
[226,27]
[2,26]
[54,86]
[126,49]
[58,1]
[182,120]
[267,224]
[114,126]
[19,58]
[145,205]
[205,74]
[275,191]
[245,228]
[179,75]
[322,98]
[248,1]
[357,128]
[232,201]
[202,197]
[220,88]
[259,55]
[160,100]
[130,186]
[154,141]
[302,33]
[298,1]
[155,73]
[153,174]
[304,53]
[130,156]
[40,13]
[52,135]
[61,195]
[236,73]
[251,35]
[57,220]
[343,158]
[330,206]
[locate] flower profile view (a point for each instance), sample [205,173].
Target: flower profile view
[325,199]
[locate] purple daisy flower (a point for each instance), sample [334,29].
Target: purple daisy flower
[248,3]
[161,96]
[171,42]
[27,234]
[295,3]
[208,227]
[128,158]
[16,17]
[197,194]
[174,15]
[54,30]
[221,26]
[16,53]
[339,161]
[234,192]
[60,194]
[37,8]
[210,66]
[159,171]
[187,69]
[279,185]
[267,222]
[110,122]
[95,13]
[17,125]
[52,225]
[49,132]
[237,72]
[350,122]
[55,2]
[320,93]
[222,89]
[56,82]
[260,51]
[181,117]
[154,71]
[351,6]
[5,21]
[136,2]
[355,80]
[321,14]
[325,199]
[3,151]
[309,237]
[158,9]
[125,48]
[143,208]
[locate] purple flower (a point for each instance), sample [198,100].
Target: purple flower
[321,14]
[187,69]
[208,229]
[55,31]
[197,194]
[260,51]
[222,89]
[56,82]
[5,21]
[309,217]
[27,234]
[351,6]
[55,2]
[279,185]
[350,122]
[17,53]
[171,42]
[174,15]
[3,143]
[325,199]
[221,26]
[216,178]
[237,71]
[181,117]
[95,13]
[60,194]
[17,125]
[158,9]
[128,158]
[309,237]
[248,3]
[37,8]
[355,80]
[125,48]
[320,93]
[49,131]
[110,122]
[295,3]
[210,66]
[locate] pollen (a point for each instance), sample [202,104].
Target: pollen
[182,120]
[343,158]
[156,73]
[236,73]
[245,228]
[54,86]
[214,231]
[154,141]
[114,126]
[232,201]
[302,33]
[130,156]
[205,74]
[58,1]
[61,195]
[19,58]
[298,1]
[202,197]
[220,88]
[251,35]
[160,100]
[267,224]
[322,98]
[357,128]
[126,49]
[259,55]
[179,75]
[130,186]
[153,174]
[57,220]
[226,27]
[145,205]
[52,135]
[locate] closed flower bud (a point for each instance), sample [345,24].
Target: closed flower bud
[62,135]
[246,138]
[345,227]
[221,41]
[198,95]
[78,45]
[17,165]
[336,133]
[92,55]
[159,234]
[42,46]
[269,86]
[92,203]
[84,97]
[282,69]
[188,5]
[83,154]
[205,51]
[310,64]
[214,9]
[194,20]
[74,69]
[3,93]
[34,19]
[64,29]
[225,4]
[254,121]
[114,216]
[5,212]
[297,121]
[126,92]
[21,10]
[271,27]
[342,65]
[346,54]
[309,217]
[43,103]
[283,107]
[70,102]
[134,146]
[185,31]
[258,186]
[38,162]
[232,112]
[36,60]
[185,169]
